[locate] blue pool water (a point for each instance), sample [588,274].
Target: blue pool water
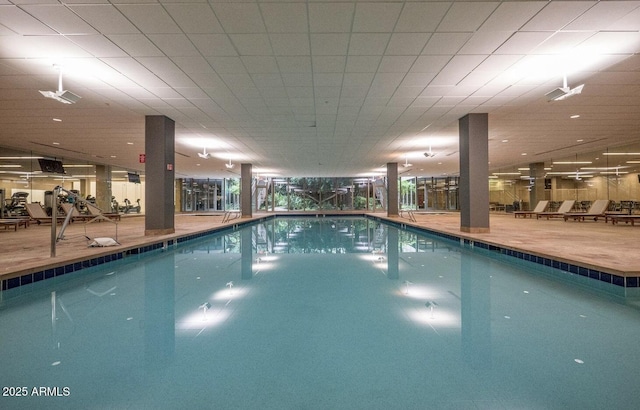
[317,313]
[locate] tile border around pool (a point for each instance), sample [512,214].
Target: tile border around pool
[607,277]
[51,272]
[55,271]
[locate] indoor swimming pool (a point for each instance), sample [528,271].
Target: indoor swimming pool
[317,313]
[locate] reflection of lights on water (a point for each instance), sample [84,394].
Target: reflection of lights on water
[406,284]
[431,306]
[56,363]
[526,291]
[196,321]
[230,286]
[223,294]
[205,307]
[578,361]
[442,318]
[417,291]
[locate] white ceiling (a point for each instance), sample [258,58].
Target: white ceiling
[319,88]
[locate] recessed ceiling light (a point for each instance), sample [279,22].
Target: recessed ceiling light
[55,143]
[505,140]
[129,143]
[524,153]
[575,116]
[579,140]
[57,120]
[113,156]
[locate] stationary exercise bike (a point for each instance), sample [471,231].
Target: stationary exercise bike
[129,208]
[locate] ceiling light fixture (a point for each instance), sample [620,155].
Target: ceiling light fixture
[64,96]
[563,92]
[406,163]
[429,154]
[204,154]
[229,165]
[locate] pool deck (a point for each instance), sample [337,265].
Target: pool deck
[595,245]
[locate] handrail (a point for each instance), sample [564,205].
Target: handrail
[227,215]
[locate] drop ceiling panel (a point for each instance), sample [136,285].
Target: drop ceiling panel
[466,16]
[21,22]
[330,17]
[329,44]
[135,45]
[523,42]
[556,15]
[396,64]
[511,16]
[445,43]
[290,44]
[194,18]
[376,17]
[421,16]
[98,46]
[175,45]
[329,64]
[592,18]
[149,18]
[265,72]
[239,17]
[60,18]
[294,64]
[368,44]
[285,17]
[485,41]
[362,64]
[213,45]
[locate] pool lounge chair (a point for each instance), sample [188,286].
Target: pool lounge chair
[95,212]
[14,222]
[36,213]
[75,216]
[565,207]
[596,210]
[540,207]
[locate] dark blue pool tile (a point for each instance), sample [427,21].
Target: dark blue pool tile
[38,276]
[77,266]
[49,273]
[59,271]
[13,283]
[26,279]
[617,280]
[594,274]
[606,277]
[4,285]
[632,282]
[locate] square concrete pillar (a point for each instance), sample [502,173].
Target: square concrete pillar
[474,173]
[159,175]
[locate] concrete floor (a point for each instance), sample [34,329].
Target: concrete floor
[598,245]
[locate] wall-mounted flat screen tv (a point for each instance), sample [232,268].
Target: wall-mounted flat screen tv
[135,178]
[51,166]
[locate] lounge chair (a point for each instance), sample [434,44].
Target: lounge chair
[75,216]
[565,207]
[596,210]
[14,222]
[36,213]
[94,211]
[540,207]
